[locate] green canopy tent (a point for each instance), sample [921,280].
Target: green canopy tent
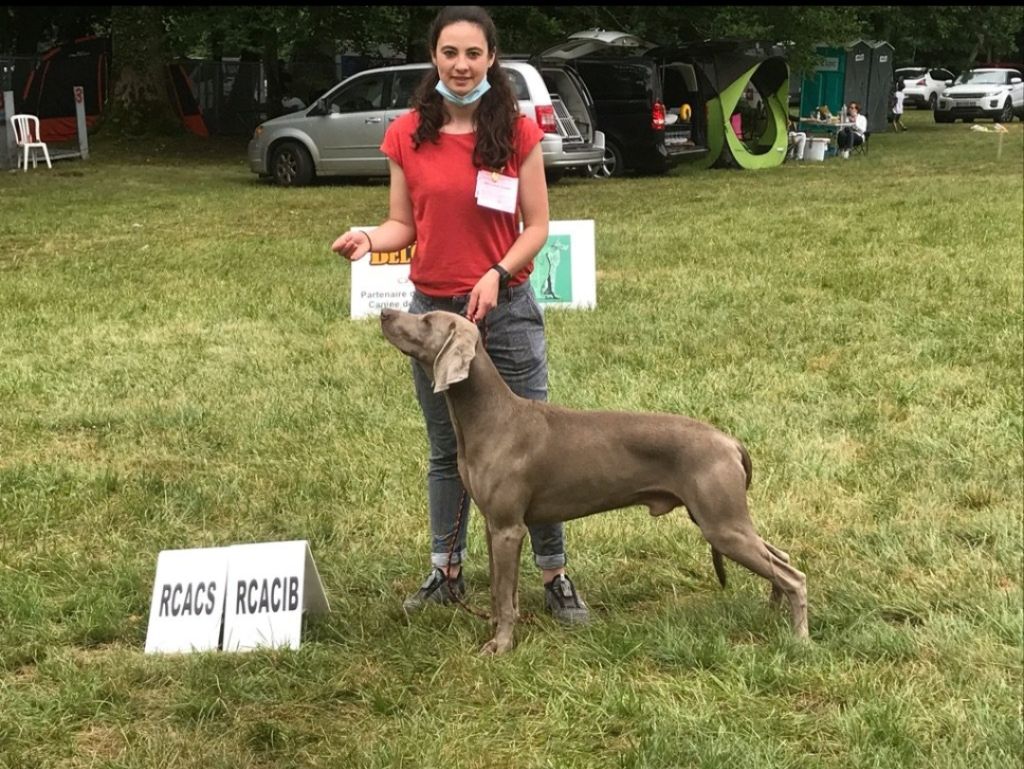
[729,71]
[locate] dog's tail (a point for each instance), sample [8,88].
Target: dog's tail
[716,559]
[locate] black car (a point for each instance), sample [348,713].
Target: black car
[646,109]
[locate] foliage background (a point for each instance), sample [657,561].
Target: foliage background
[948,35]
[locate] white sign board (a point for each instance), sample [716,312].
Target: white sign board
[269,586]
[564,272]
[235,598]
[188,600]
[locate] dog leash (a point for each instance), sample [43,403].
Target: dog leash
[449,579]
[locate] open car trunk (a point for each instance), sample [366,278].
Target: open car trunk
[627,89]
[684,128]
[572,103]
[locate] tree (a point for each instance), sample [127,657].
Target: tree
[954,36]
[139,102]
[27,29]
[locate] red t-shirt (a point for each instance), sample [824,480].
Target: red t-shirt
[457,241]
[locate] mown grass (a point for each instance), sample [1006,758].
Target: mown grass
[177,370]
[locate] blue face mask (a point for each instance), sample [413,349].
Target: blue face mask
[473,96]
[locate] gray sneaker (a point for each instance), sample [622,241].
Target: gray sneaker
[436,589]
[564,603]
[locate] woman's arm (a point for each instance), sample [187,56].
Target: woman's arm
[533,203]
[396,233]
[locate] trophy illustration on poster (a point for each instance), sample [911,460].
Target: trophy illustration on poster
[552,274]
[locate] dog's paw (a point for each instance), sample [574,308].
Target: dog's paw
[496,646]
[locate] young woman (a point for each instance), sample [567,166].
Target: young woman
[464,167]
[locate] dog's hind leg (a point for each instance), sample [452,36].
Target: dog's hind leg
[719,506]
[748,549]
[776,596]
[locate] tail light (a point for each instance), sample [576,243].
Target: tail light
[546,118]
[922,81]
[658,116]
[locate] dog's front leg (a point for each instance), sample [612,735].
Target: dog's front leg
[505,543]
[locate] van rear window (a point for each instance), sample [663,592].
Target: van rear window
[615,80]
[522,91]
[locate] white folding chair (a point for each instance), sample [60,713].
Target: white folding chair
[26,134]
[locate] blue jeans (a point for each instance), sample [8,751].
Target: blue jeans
[514,335]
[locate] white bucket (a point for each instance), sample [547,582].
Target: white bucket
[816,148]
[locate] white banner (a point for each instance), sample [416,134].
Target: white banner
[564,272]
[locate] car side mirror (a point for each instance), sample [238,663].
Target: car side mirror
[949,83]
[319,107]
[1015,80]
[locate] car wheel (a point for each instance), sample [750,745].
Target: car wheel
[612,165]
[941,118]
[554,175]
[291,165]
[968,119]
[1006,116]
[931,102]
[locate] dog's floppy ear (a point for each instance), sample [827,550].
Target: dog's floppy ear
[452,364]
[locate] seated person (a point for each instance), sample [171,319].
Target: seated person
[292,103]
[852,136]
[797,141]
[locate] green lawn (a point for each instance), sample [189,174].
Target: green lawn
[177,369]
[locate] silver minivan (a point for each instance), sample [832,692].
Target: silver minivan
[340,134]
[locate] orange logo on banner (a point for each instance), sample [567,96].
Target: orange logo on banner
[403,256]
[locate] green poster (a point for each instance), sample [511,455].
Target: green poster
[552,270]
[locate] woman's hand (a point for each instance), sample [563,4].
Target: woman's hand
[484,296]
[353,245]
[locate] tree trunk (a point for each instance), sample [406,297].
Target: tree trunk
[272,70]
[972,59]
[140,99]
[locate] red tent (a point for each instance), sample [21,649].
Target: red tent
[49,89]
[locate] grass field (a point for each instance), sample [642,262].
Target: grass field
[177,369]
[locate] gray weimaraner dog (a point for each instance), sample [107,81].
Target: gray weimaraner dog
[548,463]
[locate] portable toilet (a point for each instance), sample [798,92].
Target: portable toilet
[824,85]
[880,86]
[858,72]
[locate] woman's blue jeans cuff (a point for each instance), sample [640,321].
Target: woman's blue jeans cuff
[550,561]
[440,560]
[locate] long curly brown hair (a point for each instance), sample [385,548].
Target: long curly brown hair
[495,117]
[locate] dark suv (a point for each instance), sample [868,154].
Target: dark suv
[648,111]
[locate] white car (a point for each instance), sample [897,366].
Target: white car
[340,135]
[996,93]
[923,86]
